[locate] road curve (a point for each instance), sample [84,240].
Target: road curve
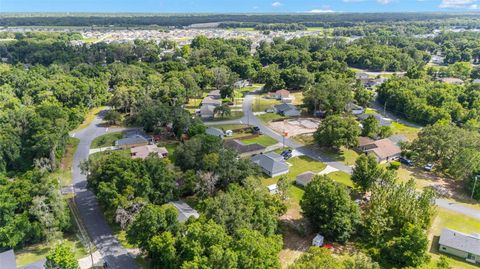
[90,212]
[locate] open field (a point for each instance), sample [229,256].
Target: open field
[267,117]
[64,172]
[261,103]
[263,140]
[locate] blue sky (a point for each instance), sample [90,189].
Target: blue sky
[243,6]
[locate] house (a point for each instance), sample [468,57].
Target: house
[143,152]
[449,80]
[184,211]
[215,94]
[361,76]
[437,59]
[211,101]
[304,178]
[384,149]
[282,95]
[272,189]
[318,240]
[215,132]
[206,112]
[374,82]
[271,163]
[354,109]
[7,260]
[132,141]
[465,246]
[287,110]
[381,120]
[243,149]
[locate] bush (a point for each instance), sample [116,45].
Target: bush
[394,165]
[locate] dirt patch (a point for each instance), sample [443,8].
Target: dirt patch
[295,127]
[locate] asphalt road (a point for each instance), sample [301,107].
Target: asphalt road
[90,212]
[251,119]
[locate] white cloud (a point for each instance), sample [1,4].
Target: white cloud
[321,11]
[277,4]
[458,4]
[352,1]
[474,6]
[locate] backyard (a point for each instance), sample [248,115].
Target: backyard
[106,140]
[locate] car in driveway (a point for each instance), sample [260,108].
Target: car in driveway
[428,167]
[269,110]
[256,130]
[405,161]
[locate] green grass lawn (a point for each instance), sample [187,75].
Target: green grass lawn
[346,156]
[64,173]
[106,140]
[233,116]
[261,103]
[410,132]
[171,149]
[263,140]
[449,219]
[267,117]
[37,252]
[341,177]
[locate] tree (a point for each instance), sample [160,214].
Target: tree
[329,208]
[161,249]
[152,220]
[360,261]
[330,95]
[363,96]
[371,127]
[61,257]
[113,117]
[223,110]
[283,185]
[409,248]
[366,172]
[337,131]
[318,258]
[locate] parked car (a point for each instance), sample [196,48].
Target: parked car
[256,130]
[406,161]
[428,167]
[270,110]
[287,155]
[285,152]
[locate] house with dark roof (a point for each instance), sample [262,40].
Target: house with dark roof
[244,149]
[304,178]
[7,260]
[132,141]
[206,112]
[287,110]
[384,150]
[465,246]
[271,163]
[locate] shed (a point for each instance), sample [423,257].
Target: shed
[184,211]
[273,189]
[318,240]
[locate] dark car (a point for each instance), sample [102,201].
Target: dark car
[406,161]
[256,130]
[285,152]
[287,155]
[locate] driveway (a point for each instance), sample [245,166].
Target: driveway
[90,212]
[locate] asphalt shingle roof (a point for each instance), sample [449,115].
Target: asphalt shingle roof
[460,241]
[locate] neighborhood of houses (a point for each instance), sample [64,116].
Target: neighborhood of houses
[273,164]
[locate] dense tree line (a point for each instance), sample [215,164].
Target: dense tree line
[31,210]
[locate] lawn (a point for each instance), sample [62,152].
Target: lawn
[64,172]
[37,252]
[106,140]
[261,103]
[267,117]
[297,98]
[233,116]
[449,219]
[346,156]
[410,132]
[341,177]
[89,117]
[171,149]
[263,140]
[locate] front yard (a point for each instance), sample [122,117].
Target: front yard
[106,140]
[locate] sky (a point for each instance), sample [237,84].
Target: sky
[238,6]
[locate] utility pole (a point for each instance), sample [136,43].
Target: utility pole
[474,185]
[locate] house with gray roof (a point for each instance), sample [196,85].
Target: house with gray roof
[215,132]
[381,120]
[465,246]
[271,163]
[184,211]
[244,149]
[304,178]
[215,94]
[206,112]
[132,141]
[287,110]
[211,101]
[7,260]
